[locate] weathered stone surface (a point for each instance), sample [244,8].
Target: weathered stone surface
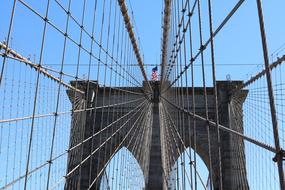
[86,123]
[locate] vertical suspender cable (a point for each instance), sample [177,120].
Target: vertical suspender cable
[279,154]
[202,48]
[215,95]
[36,96]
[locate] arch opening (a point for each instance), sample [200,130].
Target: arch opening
[183,175]
[123,172]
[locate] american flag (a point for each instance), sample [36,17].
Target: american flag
[154,73]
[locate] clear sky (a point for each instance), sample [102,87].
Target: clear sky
[238,45]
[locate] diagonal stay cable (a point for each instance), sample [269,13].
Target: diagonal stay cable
[177,42]
[93,152]
[71,39]
[64,177]
[12,54]
[37,67]
[93,39]
[67,112]
[121,143]
[72,148]
[223,23]
[8,39]
[183,143]
[224,128]
[273,65]
[232,12]
[279,157]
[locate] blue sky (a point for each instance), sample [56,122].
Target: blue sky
[238,43]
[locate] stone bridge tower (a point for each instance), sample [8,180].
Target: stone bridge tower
[149,153]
